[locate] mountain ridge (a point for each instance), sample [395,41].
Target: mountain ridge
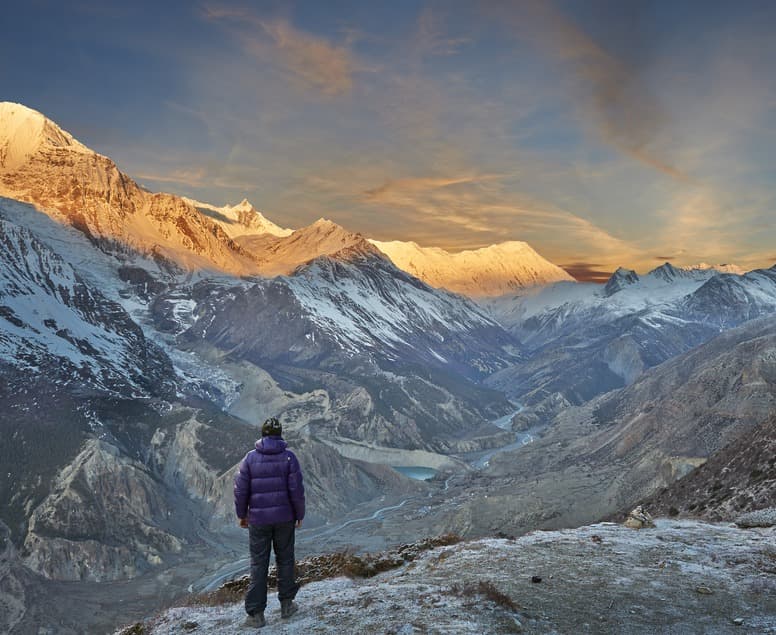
[490,271]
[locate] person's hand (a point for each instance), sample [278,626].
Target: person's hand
[244,523]
[298,524]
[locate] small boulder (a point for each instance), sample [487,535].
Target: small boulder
[639,518]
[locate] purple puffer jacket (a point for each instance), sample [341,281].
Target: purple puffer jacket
[268,487]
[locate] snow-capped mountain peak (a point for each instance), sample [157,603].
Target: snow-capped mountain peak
[723,268]
[619,280]
[24,131]
[240,220]
[42,164]
[667,272]
[670,273]
[490,271]
[280,255]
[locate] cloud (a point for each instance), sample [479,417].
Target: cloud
[587,271]
[696,216]
[311,60]
[466,211]
[308,60]
[397,190]
[194,177]
[623,109]
[431,39]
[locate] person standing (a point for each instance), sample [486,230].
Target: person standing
[269,501]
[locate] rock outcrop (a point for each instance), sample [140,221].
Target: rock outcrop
[101,521]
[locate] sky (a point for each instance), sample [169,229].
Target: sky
[604,133]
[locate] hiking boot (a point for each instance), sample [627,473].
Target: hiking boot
[288,608]
[255,621]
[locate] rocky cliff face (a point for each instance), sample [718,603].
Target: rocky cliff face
[739,478]
[101,521]
[43,164]
[13,600]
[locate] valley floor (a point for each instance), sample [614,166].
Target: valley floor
[684,576]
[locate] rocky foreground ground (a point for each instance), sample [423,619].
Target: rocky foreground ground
[680,577]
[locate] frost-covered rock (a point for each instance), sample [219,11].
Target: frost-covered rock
[592,580]
[639,518]
[758,518]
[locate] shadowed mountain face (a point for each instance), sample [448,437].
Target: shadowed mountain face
[584,341]
[399,359]
[607,455]
[51,320]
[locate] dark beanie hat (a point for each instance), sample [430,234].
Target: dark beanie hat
[271,428]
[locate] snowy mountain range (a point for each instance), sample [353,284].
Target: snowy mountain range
[490,271]
[42,164]
[583,340]
[120,308]
[379,339]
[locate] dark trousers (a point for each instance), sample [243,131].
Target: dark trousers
[280,536]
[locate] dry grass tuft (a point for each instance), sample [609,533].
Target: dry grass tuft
[488,590]
[332,565]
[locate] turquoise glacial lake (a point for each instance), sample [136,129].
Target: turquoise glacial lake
[415,471]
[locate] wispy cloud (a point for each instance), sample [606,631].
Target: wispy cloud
[469,136]
[192,178]
[311,60]
[588,271]
[467,211]
[308,60]
[195,178]
[624,111]
[397,190]
[432,38]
